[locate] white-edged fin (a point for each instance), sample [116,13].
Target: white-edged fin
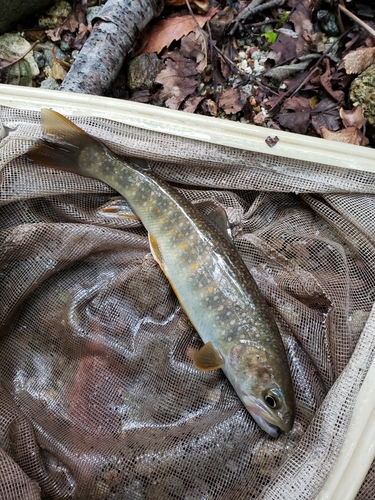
[117,207]
[208,358]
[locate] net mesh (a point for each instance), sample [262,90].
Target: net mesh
[99,397]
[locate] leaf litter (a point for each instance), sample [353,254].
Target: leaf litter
[280,64]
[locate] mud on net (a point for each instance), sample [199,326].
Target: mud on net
[99,397]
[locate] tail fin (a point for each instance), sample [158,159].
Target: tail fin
[63,144]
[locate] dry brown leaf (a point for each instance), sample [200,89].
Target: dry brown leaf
[178,79]
[192,103]
[194,45]
[166,30]
[232,101]
[350,135]
[58,72]
[356,61]
[353,117]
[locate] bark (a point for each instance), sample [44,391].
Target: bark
[117,27]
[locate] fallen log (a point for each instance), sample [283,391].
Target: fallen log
[115,30]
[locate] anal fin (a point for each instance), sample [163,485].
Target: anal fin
[118,207]
[208,358]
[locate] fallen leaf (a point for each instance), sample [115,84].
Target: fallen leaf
[232,101]
[350,135]
[353,117]
[220,22]
[259,119]
[303,26]
[325,114]
[325,80]
[76,19]
[58,71]
[212,107]
[297,122]
[178,79]
[284,48]
[141,96]
[357,61]
[163,33]
[194,45]
[297,104]
[192,103]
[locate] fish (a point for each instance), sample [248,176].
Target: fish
[198,257]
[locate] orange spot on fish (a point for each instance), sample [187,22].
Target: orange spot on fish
[182,260]
[182,245]
[158,210]
[179,235]
[170,231]
[161,220]
[194,266]
[210,288]
[193,251]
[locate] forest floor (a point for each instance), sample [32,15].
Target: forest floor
[281,64]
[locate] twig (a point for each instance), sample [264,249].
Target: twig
[318,62]
[10,63]
[252,9]
[357,20]
[293,92]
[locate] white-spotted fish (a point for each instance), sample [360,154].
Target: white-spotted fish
[207,274]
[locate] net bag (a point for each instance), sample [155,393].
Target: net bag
[99,397]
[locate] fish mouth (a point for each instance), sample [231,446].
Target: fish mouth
[271,423]
[271,429]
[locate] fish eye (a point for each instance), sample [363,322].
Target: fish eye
[271,400]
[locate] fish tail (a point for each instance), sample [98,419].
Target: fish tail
[64,145]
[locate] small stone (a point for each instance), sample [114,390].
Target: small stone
[50,84]
[92,12]
[64,46]
[17,46]
[51,52]
[142,71]
[39,59]
[51,20]
[242,64]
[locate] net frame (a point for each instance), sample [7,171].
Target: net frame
[314,467]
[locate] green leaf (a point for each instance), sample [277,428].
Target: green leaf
[271,36]
[20,74]
[283,19]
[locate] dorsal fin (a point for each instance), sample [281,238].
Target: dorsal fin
[208,358]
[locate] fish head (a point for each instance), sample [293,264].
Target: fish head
[261,378]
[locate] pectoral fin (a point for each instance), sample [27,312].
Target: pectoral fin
[208,358]
[155,250]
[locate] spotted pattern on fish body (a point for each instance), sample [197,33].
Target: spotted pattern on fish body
[210,279]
